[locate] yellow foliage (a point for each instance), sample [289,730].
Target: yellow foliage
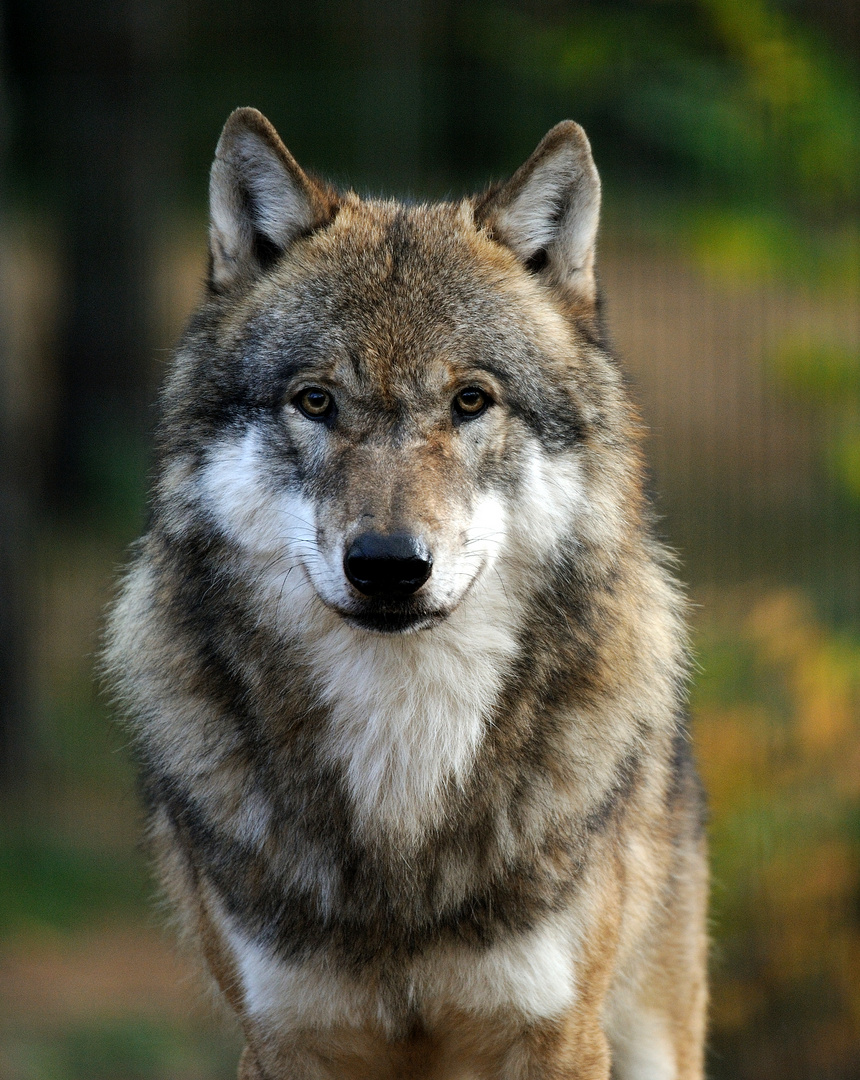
[778,737]
[823,674]
[734,752]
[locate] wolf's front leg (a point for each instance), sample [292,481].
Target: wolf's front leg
[294,1064]
[297,1065]
[285,1064]
[332,1055]
[569,1049]
[574,1048]
[248,1069]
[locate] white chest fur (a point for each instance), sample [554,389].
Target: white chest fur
[408,712]
[531,975]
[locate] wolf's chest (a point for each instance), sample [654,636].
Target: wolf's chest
[407,716]
[312,889]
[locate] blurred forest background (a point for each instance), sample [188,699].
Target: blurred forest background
[726,132]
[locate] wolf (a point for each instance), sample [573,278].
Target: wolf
[404,662]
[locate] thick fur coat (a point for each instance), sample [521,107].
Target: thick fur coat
[404,663]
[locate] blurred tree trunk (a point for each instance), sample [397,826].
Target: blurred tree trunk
[391,122]
[112,143]
[94,91]
[94,146]
[16,518]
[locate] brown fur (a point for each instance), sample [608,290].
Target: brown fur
[454,832]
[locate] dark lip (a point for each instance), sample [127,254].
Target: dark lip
[390,620]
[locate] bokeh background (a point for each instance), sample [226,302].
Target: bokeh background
[726,132]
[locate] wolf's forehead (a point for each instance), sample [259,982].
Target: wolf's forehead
[389,255]
[397,286]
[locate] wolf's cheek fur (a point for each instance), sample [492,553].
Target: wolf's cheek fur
[294,555]
[291,549]
[272,528]
[552,505]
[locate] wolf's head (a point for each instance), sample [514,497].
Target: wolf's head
[381,406]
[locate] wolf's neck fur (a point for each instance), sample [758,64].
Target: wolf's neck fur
[408,712]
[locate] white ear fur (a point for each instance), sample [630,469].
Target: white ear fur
[551,208]
[259,198]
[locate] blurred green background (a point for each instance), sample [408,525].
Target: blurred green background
[726,132]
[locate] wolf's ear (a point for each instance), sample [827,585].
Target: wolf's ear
[260,201]
[548,212]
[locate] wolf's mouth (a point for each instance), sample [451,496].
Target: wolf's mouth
[391,618]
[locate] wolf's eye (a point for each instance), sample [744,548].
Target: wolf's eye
[315,403]
[470,403]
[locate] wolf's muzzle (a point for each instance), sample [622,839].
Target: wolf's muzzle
[396,565]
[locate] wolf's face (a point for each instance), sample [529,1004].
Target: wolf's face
[402,403]
[393,399]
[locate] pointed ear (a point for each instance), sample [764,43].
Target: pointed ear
[548,212]
[260,201]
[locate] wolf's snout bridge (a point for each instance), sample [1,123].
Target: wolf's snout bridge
[396,565]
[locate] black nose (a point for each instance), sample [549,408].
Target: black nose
[396,565]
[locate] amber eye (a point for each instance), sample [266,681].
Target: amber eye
[470,403]
[315,403]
